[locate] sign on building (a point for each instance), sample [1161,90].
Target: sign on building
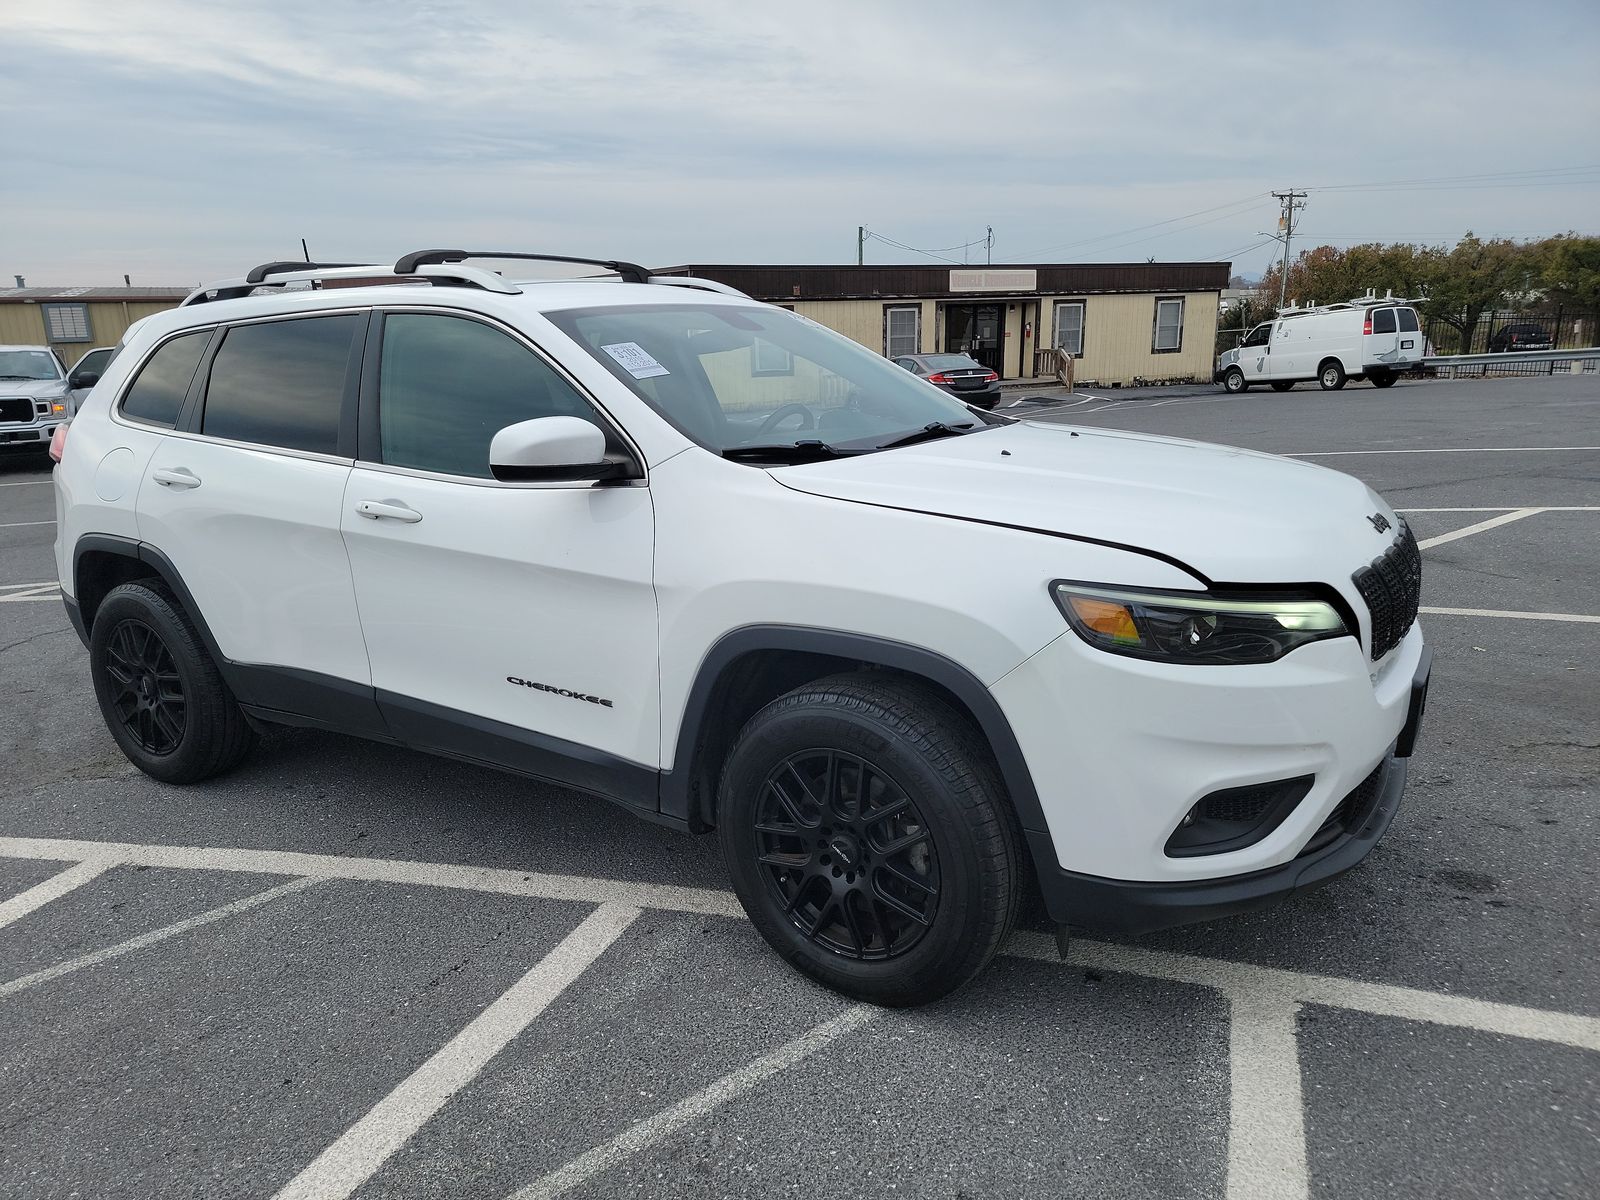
[994,281]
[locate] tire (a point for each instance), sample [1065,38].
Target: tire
[938,856]
[1381,379]
[1282,385]
[1331,375]
[1233,380]
[161,696]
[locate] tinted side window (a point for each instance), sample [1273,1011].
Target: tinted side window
[281,383]
[158,391]
[1383,321]
[447,385]
[1259,336]
[1408,320]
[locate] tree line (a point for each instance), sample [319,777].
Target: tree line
[1457,286]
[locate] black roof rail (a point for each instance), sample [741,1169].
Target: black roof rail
[259,274]
[408,263]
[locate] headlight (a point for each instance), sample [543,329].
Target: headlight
[1199,628]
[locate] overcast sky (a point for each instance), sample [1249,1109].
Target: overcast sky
[177,140]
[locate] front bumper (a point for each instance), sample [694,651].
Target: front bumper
[36,434]
[1121,750]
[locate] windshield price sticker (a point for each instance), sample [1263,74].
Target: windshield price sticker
[635,360]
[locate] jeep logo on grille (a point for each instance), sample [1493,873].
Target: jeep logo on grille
[1379,521]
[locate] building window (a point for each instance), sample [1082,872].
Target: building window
[902,330]
[1069,327]
[768,358]
[1169,326]
[67,322]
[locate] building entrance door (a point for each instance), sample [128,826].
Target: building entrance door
[975,330]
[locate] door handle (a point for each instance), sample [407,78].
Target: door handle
[391,510]
[178,477]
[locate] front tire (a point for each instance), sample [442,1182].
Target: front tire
[1331,375]
[869,838]
[161,696]
[1233,380]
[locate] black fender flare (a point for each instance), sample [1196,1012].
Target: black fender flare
[126,547]
[677,784]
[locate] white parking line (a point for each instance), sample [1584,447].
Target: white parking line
[21,524]
[1480,527]
[53,888]
[1440,450]
[365,1146]
[1266,1119]
[38,591]
[29,483]
[1511,614]
[12,987]
[646,1133]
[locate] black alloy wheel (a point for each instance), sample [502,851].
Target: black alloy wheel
[847,854]
[147,691]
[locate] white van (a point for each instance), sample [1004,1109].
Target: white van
[1363,339]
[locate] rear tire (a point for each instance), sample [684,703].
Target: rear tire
[1233,380]
[162,697]
[1331,375]
[1381,379]
[869,838]
[1282,385]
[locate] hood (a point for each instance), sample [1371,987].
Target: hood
[1229,515]
[37,388]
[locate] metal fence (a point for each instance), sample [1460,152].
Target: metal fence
[1513,332]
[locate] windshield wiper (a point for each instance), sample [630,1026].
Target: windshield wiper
[809,450]
[930,431]
[29,378]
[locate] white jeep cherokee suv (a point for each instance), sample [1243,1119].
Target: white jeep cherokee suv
[649,539]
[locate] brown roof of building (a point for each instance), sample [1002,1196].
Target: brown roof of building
[89,295]
[872,282]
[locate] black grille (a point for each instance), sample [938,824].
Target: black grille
[1351,813]
[16,410]
[1392,588]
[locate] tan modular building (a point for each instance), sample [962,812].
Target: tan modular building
[75,320]
[1124,323]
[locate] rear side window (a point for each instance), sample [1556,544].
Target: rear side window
[1408,320]
[158,390]
[447,385]
[1383,321]
[282,383]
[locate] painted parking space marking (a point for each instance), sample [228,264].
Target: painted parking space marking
[53,888]
[1479,527]
[1509,614]
[1266,1119]
[1440,450]
[22,524]
[351,1160]
[95,957]
[16,593]
[651,1131]
[1508,508]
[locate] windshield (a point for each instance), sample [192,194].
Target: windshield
[28,364]
[732,377]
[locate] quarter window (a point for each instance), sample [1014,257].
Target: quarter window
[1069,327]
[447,385]
[156,396]
[1383,321]
[67,322]
[902,330]
[1169,326]
[282,383]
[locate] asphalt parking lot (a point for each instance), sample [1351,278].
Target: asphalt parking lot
[344,970]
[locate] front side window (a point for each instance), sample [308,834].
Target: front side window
[1169,326]
[29,364]
[447,385]
[902,330]
[692,364]
[1069,327]
[1383,321]
[282,383]
[1259,336]
[156,396]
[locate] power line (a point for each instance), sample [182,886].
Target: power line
[867,234]
[1254,198]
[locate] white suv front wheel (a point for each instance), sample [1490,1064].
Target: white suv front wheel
[869,840]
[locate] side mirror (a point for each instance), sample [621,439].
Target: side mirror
[83,379]
[553,449]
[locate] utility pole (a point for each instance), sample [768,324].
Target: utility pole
[988,244]
[1292,202]
[861,245]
